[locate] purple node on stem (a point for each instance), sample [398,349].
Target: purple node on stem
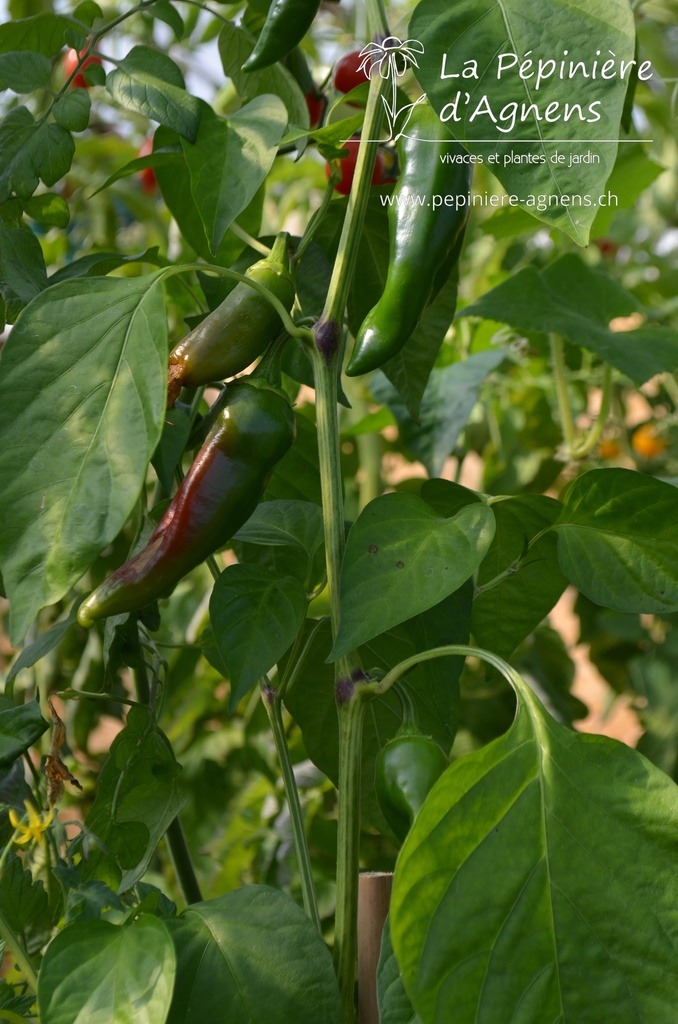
[327,337]
[344,690]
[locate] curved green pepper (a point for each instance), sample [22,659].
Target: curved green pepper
[236,332]
[425,243]
[254,428]
[406,768]
[287,22]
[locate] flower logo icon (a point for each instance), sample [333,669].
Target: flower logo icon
[391,58]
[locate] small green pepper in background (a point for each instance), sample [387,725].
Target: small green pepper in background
[237,331]
[253,429]
[406,769]
[425,241]
[287,22]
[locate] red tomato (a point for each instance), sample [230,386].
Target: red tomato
[607,247]
[71,62]
[147,176]
[348,168]
[346,73]
[316,106]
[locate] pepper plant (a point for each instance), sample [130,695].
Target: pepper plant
[270,626]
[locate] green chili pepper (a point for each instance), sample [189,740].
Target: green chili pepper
[407,767]
[425,242]
[286,24]
[236,332]
[252,431]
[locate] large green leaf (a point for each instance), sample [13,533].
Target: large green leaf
[400,559]
[235,46]
[22,268]
[31,151]
[21,725]
[230,159]
[297,475]
[137,799]
[538,883]
[24,71]
[174,180]
[529,583]
[145,83]
[42,645]
[82,398]
[618,540]
[447,403]
[42,33]
[653,679]
[542,300]
[255,617]
[299,523]
[471,40]
[95,973]
[394,1006]
[252,957]
[23,901]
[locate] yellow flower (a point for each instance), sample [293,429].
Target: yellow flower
[34,828]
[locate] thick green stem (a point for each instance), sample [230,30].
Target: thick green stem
[560,376]
[273,707]
[351,715]
[376,17]
[350,681]
[342,272]
[182,863]
[349,688]
[331,481]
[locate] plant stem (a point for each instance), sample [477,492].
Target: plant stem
[288,323]
[19,953]
[349,683]
[342,272]
[249,240]
[315,221]
[351,715]
[349,679]
[182,863]
[560,375]
[142,690]
[587,444]
[381,686]
[376,17]
[176,840]
[273,706]
[331,481]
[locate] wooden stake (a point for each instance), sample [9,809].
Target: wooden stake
[374,897]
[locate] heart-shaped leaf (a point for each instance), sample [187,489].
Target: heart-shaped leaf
[538,882]
[401,559]
[618,540]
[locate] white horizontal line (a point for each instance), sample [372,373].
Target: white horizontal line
[518,142]
[539,142]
